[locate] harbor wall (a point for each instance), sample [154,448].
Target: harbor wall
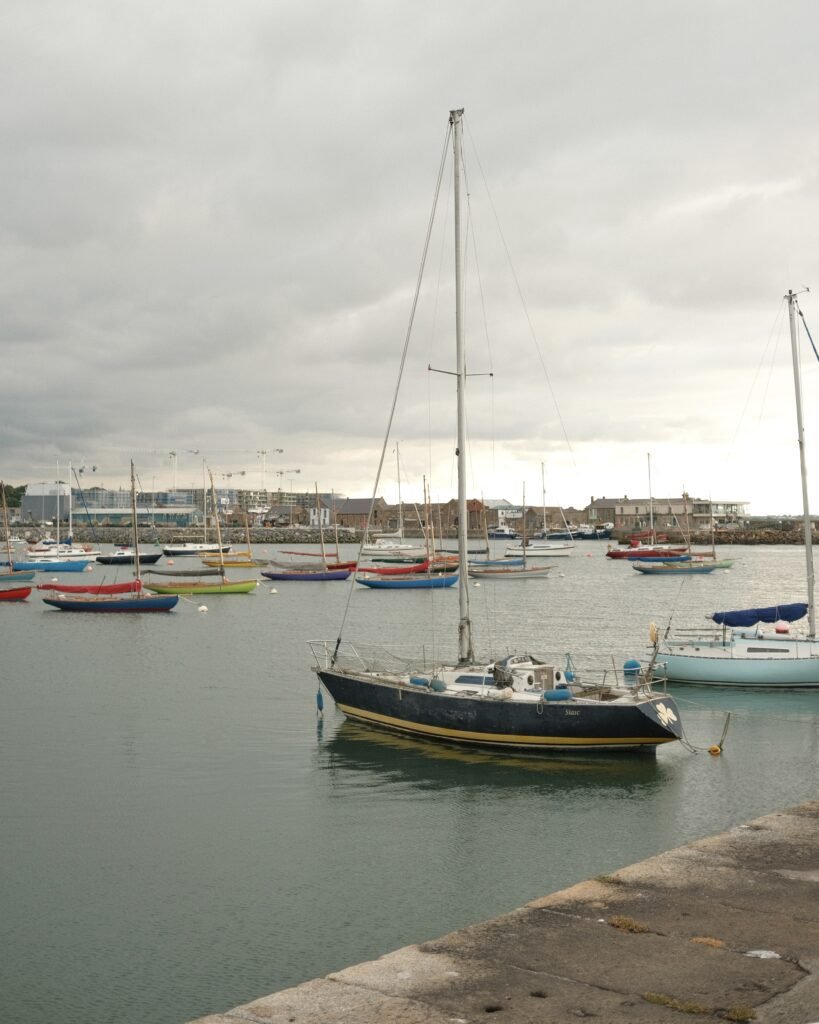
[85,534]
[723,928]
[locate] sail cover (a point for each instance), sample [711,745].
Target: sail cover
[750,616]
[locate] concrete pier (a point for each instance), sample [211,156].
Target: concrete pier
[725,928]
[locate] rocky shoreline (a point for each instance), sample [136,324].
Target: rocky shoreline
[303,535]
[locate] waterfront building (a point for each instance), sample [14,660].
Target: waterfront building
[691,515]
[185,507]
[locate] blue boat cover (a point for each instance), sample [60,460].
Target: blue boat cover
[750,616]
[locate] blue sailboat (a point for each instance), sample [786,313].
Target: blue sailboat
[139,601]
[428,581]
[51,565]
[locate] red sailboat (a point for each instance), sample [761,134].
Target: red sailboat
[131,587]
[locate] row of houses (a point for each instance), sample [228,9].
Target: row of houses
[691,515]
[188,508]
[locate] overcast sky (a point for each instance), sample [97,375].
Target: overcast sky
[213,217]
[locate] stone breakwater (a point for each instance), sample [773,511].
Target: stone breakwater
[302,535]
[765,535]
[723,929]
[234,535]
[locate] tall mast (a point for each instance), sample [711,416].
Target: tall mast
[400,506]
[6,526]
[70,508]
[650,504]
[218,525]
[134,518]
[205,504]
[335,521]
[465,653]
[428,531]
[523,528]
[58,502]
[797,383]
[321,530]
[543,496]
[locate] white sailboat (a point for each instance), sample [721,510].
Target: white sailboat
[540,548]
[516,569]
[512,702]
[175,549]
[10,574]
[65,551]
[737,651]
[393,545]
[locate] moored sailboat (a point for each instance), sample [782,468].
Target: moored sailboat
[51,565]
[322,573]
[236,559]
[194,548]
[130,587]
[738,652]
[46,557]
[685,567]
[12,574]
[512,702]
[514,569]
[189,585]
[177,549]
[106,599]
[435,572]
[127,556]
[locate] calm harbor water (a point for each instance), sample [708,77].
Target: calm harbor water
[180,833]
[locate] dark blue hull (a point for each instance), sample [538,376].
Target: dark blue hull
[540,725]
[658,558]
[307,575]
[408,582]
[155,603]
[117,559]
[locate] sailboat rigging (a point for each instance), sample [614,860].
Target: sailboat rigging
[124,555]
[393,545]
[12,575]
[203,547]
[236,559]
[554,545]
[514,569]
[323,572]
[513,702]
[691,563]
[434,572]
[105,600]
[738,652]
[199,585]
